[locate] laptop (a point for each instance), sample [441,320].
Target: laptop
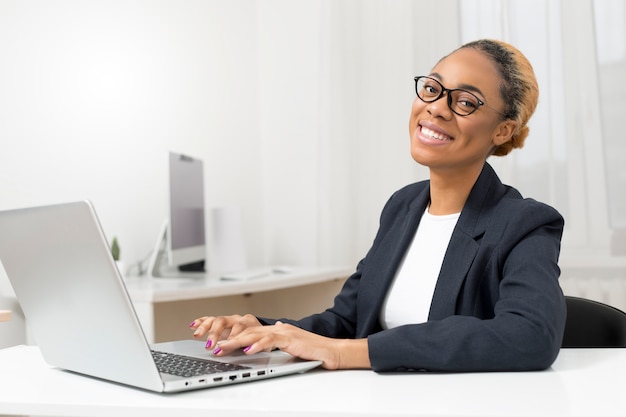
[79,312]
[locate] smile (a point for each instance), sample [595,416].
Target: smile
[434,135]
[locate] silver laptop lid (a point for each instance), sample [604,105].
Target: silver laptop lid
[60,267]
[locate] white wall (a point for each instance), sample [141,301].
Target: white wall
[94,94]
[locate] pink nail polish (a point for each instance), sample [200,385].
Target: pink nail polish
[217,351]
[209,343]
[192,323]
[247,348]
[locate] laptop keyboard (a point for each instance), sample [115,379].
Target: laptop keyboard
[185,366]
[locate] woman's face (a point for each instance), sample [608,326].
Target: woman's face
[441,139]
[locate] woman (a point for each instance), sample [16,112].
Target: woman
[462,274]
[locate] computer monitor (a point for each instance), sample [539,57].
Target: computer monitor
[181,244]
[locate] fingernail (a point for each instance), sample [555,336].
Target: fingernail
[217,351]
[192,323]
[247,348]
[209,343]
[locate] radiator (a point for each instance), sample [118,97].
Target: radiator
[604,284]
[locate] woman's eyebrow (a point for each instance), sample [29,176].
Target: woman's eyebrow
[467,87]
[471,88]
[436,75]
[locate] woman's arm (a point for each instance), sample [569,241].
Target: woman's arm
[245,332]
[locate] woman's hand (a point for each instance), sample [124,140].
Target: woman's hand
[221,328]
[245,332]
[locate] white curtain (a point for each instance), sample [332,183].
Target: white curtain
[574,158]
[352,64]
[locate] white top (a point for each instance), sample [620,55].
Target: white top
[581,383]
[408,300]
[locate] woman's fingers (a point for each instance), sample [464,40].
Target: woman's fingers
[262,339]
[200,325]
[221,327]
[248,334]
[251,340]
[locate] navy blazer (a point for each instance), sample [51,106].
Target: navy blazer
[497,305]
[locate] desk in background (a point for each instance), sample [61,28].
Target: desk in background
[166,306]
[582,382]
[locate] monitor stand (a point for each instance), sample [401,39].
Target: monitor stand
[159,267]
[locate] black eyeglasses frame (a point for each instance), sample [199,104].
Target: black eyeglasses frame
[447,91]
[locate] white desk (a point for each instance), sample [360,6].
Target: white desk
[582,382]
[166,305]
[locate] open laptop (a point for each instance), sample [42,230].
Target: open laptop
[79,312]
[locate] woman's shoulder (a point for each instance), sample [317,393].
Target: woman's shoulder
[490,193]
[525,209]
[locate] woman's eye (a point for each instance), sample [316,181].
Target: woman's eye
[467,103]
[431,90]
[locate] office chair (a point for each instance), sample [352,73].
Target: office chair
[592,324]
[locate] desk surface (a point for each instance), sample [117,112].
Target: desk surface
[582,382]
[153,290]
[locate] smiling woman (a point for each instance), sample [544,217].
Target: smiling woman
[462,275]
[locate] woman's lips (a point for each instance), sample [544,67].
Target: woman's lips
[430,134]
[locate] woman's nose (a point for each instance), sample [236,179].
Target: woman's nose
[439,107]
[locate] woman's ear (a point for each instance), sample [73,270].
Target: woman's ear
[504,132]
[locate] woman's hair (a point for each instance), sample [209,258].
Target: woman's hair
[519,89]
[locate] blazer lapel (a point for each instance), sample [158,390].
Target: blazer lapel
[382,267]
[464,243]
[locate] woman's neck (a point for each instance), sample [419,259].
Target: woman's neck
[449,190]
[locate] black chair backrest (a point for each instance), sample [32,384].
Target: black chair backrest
[593,324]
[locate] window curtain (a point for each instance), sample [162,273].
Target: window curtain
[574,158]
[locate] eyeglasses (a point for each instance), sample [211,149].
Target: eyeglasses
[460,101]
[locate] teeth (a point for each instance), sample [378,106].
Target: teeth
[434,135]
